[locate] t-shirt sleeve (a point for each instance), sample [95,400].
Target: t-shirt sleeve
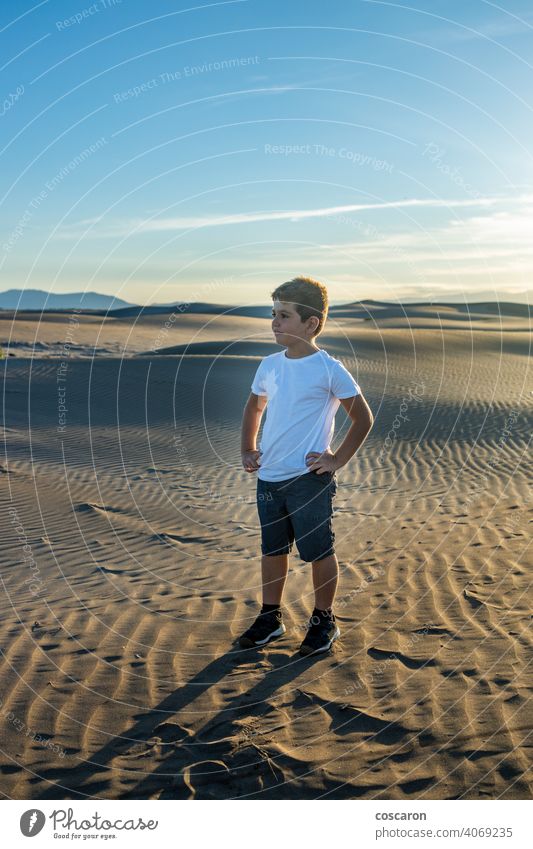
[342,383]
[258,385]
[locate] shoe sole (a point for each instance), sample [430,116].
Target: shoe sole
[305,651]
[247,643]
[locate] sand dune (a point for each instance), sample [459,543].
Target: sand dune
[121,675]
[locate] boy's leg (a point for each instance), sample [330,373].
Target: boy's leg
[274,569]
[310,505]
[325,579]
[269,624]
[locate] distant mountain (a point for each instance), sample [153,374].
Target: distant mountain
[429,309]
[37,299]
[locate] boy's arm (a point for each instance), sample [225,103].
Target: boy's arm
[251,421]
[362,421]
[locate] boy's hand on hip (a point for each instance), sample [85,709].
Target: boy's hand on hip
[250,460]
[319,463]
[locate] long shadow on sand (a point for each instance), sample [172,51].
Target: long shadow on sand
[227,758]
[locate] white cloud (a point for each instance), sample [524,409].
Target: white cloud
[139,225]
[483,239]
[499,235]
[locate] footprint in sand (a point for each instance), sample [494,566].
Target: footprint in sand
[205,775]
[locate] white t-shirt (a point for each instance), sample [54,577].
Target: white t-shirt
[303,396]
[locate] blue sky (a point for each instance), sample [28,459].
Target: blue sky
[206,152]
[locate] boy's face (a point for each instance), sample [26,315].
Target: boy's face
[287,323]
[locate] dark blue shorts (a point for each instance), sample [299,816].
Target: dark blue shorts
[298,509]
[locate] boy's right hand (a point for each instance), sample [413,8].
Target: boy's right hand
[250,460]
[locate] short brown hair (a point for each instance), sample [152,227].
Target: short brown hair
[308,296]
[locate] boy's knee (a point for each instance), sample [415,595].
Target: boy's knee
[323,557]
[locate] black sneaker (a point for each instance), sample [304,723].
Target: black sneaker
[321,634]
[266,627]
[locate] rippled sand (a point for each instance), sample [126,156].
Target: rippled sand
[120,673]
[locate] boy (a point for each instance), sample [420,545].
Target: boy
[303,387]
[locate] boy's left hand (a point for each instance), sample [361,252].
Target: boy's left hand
[319,463]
